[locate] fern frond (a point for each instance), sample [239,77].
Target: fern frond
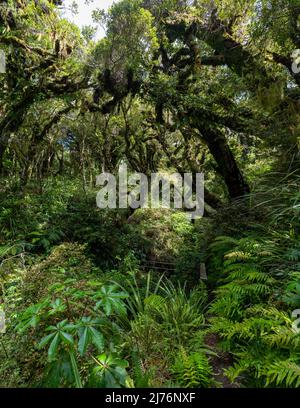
[192,370]
[284,337]
[284,372]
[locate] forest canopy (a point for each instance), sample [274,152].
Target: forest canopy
[117,298]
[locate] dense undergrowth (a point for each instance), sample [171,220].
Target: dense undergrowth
[171,87]
[258,294]
[81,312]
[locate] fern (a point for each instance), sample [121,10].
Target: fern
[230,306]
[142,378]
[237,256]
[235,371]
[154,303]
[223,243]
[192,370]
[284,372]
[284,337]
[249,325]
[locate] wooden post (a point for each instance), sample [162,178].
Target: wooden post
[203,274]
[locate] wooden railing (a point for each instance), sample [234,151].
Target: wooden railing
[170,267]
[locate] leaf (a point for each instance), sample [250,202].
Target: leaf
[97,338]
[102,360]
[53,347]
[67,338]
[75,370]
[110,381]
[83,341]
[107,307]
[45,340]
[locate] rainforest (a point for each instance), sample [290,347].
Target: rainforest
[143,296]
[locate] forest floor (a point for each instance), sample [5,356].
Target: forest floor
[79,249]
[220,362]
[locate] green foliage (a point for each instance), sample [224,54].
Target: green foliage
[176,87]
[110,371]
[192,370]
[77,317]
[141,378]
[251,320]
[167,318]
[284,372]
[292,291]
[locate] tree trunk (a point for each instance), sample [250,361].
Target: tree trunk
[227,166]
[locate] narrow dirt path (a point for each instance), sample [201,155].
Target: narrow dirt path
[220,362]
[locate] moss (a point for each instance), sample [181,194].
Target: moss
[68,260]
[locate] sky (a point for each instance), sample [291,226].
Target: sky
[84,16]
